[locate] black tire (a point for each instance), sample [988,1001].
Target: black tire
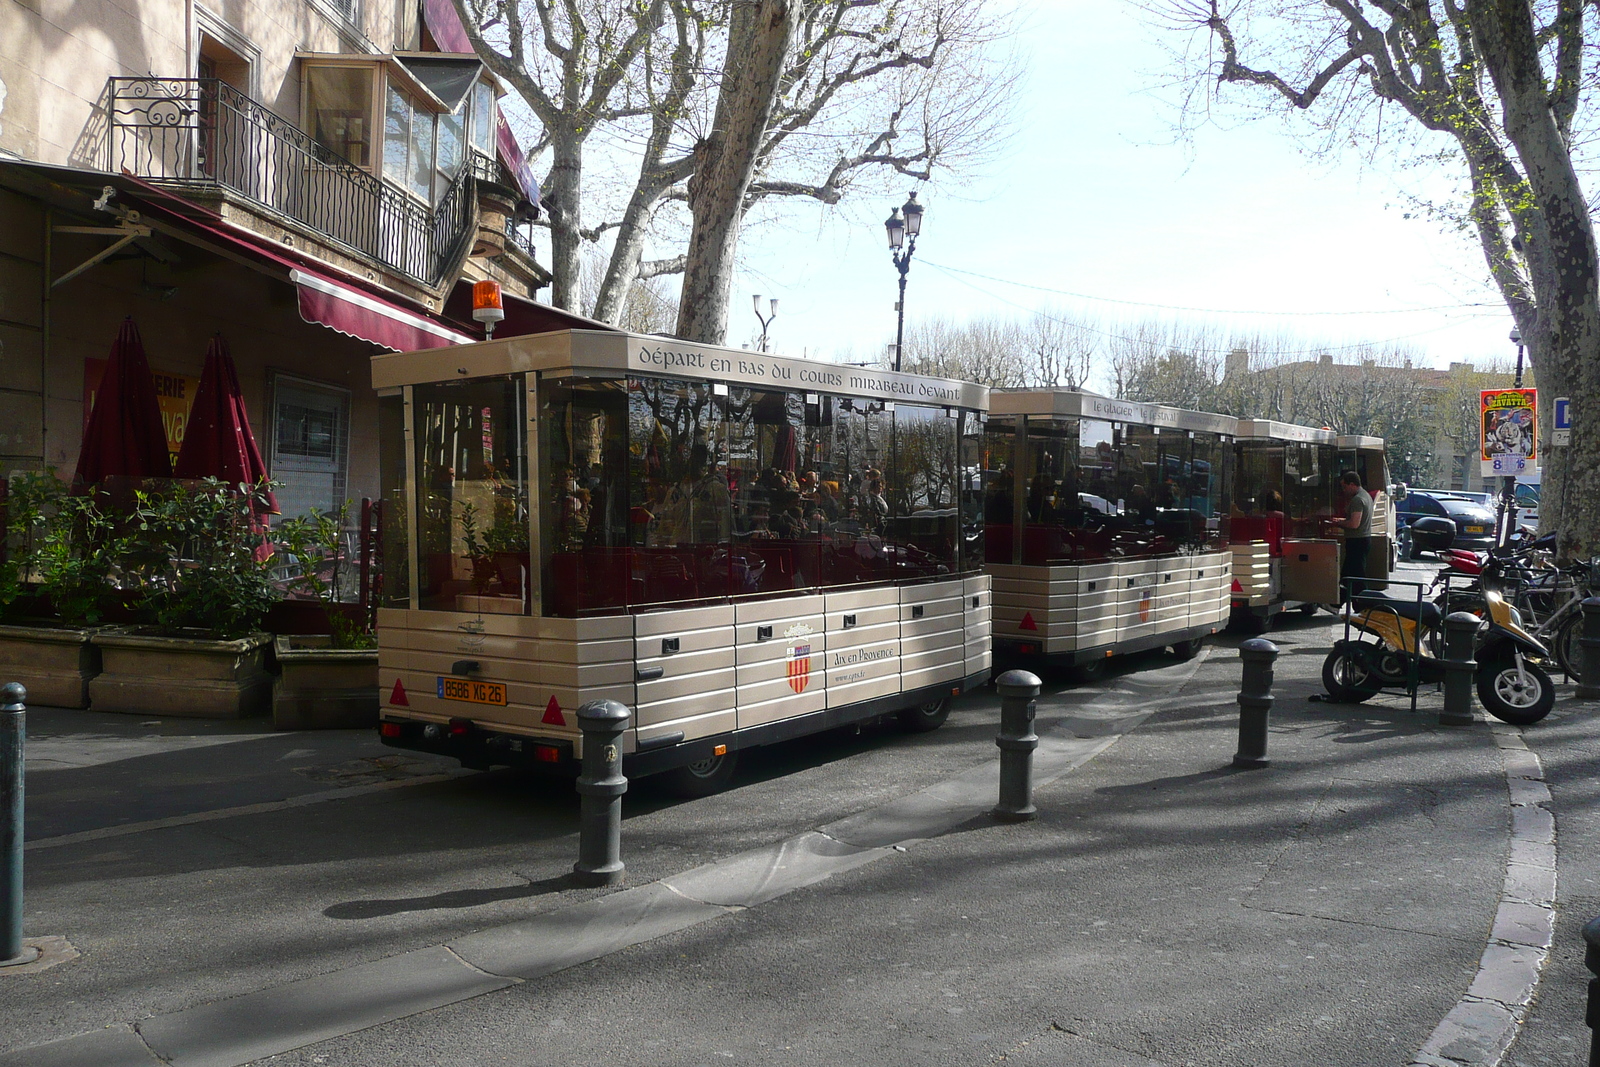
[1188,650]
[703,778]
[1090,670]
[924,718]
[1346,680]
[1569,653]
[1519,699]
[1309,609]
[1253,623]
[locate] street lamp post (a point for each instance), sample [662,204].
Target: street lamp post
[765,320]
[903,225]
[1508,499]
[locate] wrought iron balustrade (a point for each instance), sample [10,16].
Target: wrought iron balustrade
[203,131]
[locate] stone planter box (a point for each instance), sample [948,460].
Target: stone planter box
[54,663]
[189,677]
[322,688]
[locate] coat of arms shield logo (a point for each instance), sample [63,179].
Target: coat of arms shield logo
[799,664]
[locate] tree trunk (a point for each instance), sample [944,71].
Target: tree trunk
[758,43]
[562,195]
[1563,330]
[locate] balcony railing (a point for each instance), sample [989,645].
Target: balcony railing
[202,131]
[519,229]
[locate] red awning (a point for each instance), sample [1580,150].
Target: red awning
[364,316]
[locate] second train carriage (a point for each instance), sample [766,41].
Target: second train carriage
[742,548]
[1106,525]
[1286,552]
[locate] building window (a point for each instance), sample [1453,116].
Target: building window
[310,445]
[339,106]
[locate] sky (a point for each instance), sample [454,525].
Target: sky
[1092,197]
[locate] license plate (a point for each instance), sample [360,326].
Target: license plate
[472,692]
[1473,529]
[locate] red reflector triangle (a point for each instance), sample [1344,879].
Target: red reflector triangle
[1027,622]
[552,714]
[1237,588]
[398,696]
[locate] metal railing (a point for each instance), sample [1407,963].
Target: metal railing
[519,229]
[202,131]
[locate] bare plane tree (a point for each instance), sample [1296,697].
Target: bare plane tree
[1506,87]
[907,88]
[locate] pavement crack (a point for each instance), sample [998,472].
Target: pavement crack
[1359,923]
[513,979]
[158,1057]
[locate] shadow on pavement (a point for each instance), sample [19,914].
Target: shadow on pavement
[456,898]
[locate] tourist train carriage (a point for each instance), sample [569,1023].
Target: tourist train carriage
[739,547]
[1368,457]
[1286,552]
[1106,525]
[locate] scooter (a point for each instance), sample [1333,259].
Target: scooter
[1407,650]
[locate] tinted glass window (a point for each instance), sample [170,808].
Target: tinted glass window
[472,484]
[586,517]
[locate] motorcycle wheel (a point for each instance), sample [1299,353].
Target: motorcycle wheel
[1520,698]
[1346,680]
[1569,653]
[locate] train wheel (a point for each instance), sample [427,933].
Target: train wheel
[1090,670]
[925,718]
[1187,650]
[702,778]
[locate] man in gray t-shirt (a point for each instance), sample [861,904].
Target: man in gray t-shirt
[1357,525]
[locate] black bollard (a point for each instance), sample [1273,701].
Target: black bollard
[13,740]
[1591,1015]
[1016,741]
[1589,651]
[1255,701]
[1460,630]
[601,785]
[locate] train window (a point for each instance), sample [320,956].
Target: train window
[973,460]
[472,483]
[782,502]
[678,486]
[394,539]
[923,525]
[587,517]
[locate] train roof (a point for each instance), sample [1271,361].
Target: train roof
[613,354]
[1357,440]
[1068,403]
[1272,430]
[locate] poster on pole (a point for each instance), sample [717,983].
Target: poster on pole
[1509,431]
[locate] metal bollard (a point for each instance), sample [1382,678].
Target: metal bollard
[601,785]
[1460,628]
[1589,651]
[13,741]
[1018,692]
[1255,701]
[1591,958]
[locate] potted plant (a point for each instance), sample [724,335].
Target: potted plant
[194,557]
[325,681]
[56,588]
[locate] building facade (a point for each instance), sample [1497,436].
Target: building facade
[316,180]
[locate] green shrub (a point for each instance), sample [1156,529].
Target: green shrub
[197,558]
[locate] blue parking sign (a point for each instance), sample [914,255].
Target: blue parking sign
[1563,422]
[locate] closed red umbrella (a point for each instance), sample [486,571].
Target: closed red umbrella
[125,436]
[217,442]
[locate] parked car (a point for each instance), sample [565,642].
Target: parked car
[1474,521]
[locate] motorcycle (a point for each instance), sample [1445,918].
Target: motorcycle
[1407,645]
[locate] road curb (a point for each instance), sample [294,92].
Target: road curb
[1480,1028]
